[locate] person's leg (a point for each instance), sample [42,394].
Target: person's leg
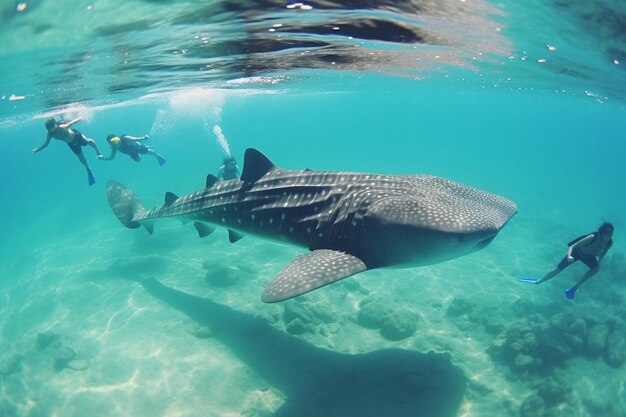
[587,275]
[92,143]
[90,178]
[78,151]
[564,263]
[550,275]
[158,157]
[594,267]
[83,160]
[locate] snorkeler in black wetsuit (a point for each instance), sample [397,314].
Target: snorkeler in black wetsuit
[131,146]
[74,139]
[589,249]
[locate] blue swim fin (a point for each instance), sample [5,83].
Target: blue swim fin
[92,180]
[528,280]
[569,293]
[161,160]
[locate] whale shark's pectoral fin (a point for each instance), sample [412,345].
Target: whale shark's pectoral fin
[311,271]
[203,229]
[234,236]
[149,226]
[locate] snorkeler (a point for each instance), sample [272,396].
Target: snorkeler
[132,146]
[229,170]
[590,249]
[74,139]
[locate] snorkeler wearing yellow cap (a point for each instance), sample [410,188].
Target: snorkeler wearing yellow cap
[132,146]
[115,142]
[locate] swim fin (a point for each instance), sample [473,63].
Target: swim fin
[90,177]
[161,160]
[569,293]
[528,280]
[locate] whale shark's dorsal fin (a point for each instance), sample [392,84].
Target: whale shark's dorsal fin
[210,180]
[170,198]
[255,165]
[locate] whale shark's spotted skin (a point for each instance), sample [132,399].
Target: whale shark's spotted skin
[350,221]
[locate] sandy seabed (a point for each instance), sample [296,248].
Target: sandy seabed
[128,324]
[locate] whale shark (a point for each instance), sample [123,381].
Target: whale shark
[350,222]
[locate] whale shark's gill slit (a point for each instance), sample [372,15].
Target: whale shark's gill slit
[485,242]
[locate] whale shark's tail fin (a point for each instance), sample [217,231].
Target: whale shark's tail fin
[127,206]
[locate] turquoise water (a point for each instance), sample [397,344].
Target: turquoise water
[100,320]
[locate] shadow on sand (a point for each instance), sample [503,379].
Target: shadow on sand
[319,382]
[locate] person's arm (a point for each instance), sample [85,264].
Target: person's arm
[144,137]
[110,158]
[70,123]
[605,250]
[582,242]
[46,143]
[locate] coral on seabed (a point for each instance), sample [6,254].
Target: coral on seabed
[615,354]
[307,316]
[372,313]
[399,325]
[394,325]
[537,345]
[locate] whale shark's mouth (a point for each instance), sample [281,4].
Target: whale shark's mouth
[486,241]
